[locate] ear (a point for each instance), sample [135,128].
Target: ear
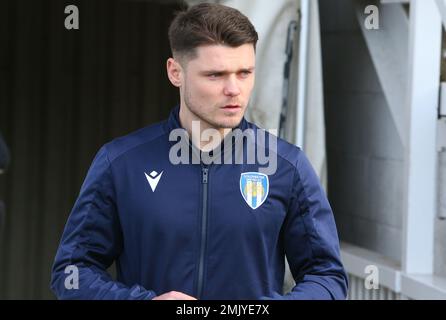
[174,72]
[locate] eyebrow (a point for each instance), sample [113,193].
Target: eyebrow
[207,72]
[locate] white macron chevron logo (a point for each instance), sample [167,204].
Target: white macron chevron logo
[153,178]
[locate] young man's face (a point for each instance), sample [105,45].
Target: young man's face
[215,86]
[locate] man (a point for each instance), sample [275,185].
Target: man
[195,229]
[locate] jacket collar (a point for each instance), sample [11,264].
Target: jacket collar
[173,122]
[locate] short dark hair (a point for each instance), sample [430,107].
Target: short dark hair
[209,24]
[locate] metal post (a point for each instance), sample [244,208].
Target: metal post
[305,6]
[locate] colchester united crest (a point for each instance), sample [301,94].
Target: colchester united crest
[254,187]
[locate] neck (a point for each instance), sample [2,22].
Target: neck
[189,122]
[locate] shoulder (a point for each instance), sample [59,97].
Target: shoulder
[284,150]
[121,145]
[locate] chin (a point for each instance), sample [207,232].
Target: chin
[229,124]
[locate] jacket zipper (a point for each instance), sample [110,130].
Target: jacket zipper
[204,171]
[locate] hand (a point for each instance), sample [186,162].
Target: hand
[174,295]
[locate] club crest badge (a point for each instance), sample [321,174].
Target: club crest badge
[254,187]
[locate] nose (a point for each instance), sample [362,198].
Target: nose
[231,86]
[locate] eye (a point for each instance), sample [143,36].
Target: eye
[215,75]
[245,73]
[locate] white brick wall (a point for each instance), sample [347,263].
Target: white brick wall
[365,154]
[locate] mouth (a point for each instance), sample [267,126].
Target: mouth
[232,107]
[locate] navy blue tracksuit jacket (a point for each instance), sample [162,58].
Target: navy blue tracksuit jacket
[217,231]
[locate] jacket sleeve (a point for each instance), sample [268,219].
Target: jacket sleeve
[311,240]
[91,241]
